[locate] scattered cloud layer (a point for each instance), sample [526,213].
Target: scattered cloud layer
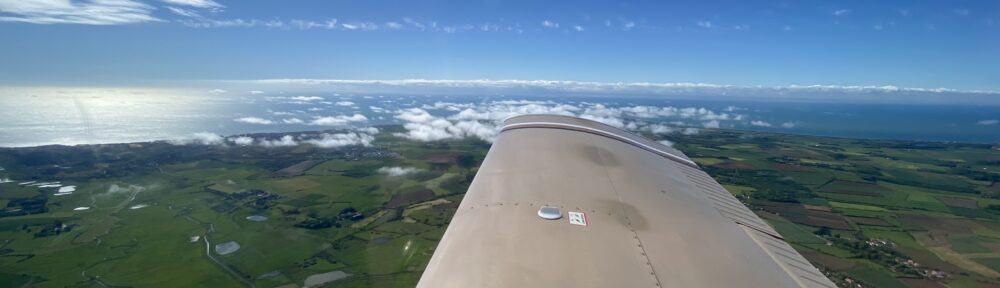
[840,93]
[482,121]
[353,137]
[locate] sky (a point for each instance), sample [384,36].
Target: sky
[917,44]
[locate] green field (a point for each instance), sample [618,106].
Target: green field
[862,211]
[917,213]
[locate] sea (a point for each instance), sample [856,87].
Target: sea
[35,116]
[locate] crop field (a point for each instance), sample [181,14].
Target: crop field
[888,213]
[878,213]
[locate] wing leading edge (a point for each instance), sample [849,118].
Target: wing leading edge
[635,213]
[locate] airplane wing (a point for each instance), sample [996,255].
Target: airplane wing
[566,202]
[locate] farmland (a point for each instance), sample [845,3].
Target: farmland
[869,212]
[878,213]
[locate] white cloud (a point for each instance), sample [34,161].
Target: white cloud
[342,139]
[760,123]
[711,124]
[788,125]
[393,25]
[306,98]
[212,23]
[550,24]
[217,91]
[377,109]
[690,131]
[705,24]
[843,93]
[988,122]
[578,28]
[660,129]
[292,121]
[255,92]
[366,26]
[195,3]
[628,25]
[482,120]
[203,138]
[338,120]
[254,120]
[423,126]
[285,141]
[92,12]
[344,103]
[242,140]
[841,12]
[369,130]
[309,24]
[397,171]
[183,12]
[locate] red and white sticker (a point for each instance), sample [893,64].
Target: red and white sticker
[578,218]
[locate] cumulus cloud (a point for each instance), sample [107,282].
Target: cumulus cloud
[690,131]
[397,171]
[482,120]
[292,121]
[342,139]
[988,122]
[841,12]
[241,140]
[255,92]
[369,130]
[421,125]
[344,103]
[550,24]
[203,138]
[284,141]
[711,124]
[338,120]
[92,12]
[760,123]
[660,129]
[788,125]
[254,120]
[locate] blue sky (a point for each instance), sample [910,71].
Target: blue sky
[930,44]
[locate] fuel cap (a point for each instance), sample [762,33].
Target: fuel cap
[549,212]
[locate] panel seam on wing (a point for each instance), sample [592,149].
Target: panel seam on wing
[628,221]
